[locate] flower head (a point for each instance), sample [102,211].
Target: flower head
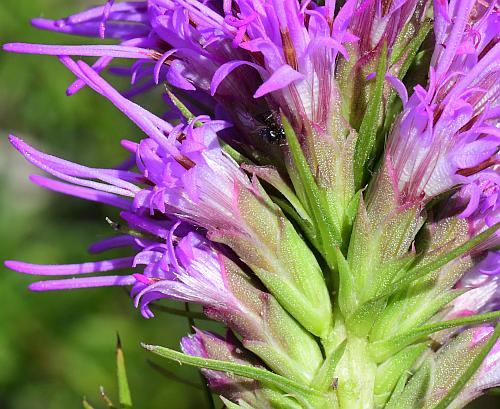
[238,389]
[448,132]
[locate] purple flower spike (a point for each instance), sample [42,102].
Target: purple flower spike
[331,227]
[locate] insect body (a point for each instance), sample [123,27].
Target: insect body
[271,131]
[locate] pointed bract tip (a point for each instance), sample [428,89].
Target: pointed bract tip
[149,347]
[118,341]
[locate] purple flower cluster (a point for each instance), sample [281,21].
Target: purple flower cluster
[198,222]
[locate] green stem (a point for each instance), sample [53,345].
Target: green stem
[182,313]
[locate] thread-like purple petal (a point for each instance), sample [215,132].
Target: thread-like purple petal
[98,66]
[95,13]
[115,51]
[148,225]
[77,283]
[70,269]
[111,243]
[72,172]
[148,122]
[82,192]
[159,64]
[91,29]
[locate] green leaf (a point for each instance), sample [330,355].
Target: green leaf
[292,214]
[394,269]
[259,374]
[398,390]
[423,270]
[470,371]
[381,350]
[278,400]
[323,378]
[362,320]
[416,306]
[86,404]
[328,231]
[238,157]
[232,405]
[352,207]
[367,136]
[411,48]
[123,388]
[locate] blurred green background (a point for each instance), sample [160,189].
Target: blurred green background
[57,347]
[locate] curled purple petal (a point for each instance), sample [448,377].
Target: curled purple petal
[224,70]
[400,88]
[282,77]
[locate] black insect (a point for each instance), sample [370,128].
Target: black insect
[271,131]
